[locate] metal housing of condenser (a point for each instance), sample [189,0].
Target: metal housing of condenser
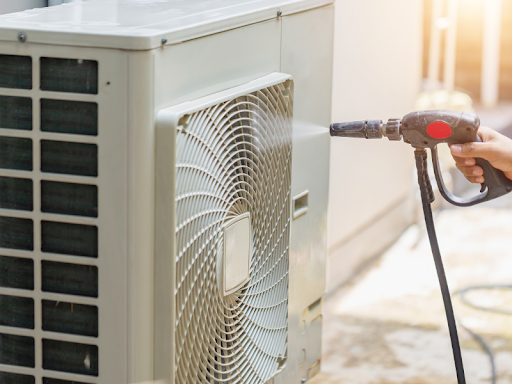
[163,191]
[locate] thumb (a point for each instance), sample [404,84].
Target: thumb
[482,150]
[487,134]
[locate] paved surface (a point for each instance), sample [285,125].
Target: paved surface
[388,326]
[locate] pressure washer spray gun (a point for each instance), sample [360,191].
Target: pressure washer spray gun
[423,130]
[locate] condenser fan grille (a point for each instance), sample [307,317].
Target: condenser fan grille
[233,159]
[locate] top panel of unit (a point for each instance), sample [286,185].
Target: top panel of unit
[141,24]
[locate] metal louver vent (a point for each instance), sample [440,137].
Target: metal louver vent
[233,158]
[48,223]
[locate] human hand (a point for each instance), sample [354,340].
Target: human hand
[495,148]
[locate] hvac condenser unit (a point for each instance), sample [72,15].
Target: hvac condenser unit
[163,191]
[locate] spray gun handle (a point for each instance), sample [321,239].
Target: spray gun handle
[496,184]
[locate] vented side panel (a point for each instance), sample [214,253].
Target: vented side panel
[233,158]
[63,215]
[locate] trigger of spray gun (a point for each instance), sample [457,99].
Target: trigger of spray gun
[368,129]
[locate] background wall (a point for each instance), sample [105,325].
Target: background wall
[377,75]
[9,6]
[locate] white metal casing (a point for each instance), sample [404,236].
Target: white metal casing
[141,24]
[142,77]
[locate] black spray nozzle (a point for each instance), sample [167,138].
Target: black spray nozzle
[365,129]
[368,129]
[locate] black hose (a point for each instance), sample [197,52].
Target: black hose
[487,349]
[480,339]
[462,294]
[427,197]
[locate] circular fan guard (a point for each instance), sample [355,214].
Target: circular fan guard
[233,158]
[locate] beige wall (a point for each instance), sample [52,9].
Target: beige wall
[377,75]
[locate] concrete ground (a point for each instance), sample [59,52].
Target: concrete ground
[388,325]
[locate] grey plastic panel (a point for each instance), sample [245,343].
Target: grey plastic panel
[15,153]
[16,193]
[47,380]
[15,71]
[16,272]
[16,378]
[69,239]
[69,279]
[69,357]
[16,112]
[69,198]
[17,350]
[17,311]
[70,318]
[66,116]
[69,75]
[16,233]
[69,158]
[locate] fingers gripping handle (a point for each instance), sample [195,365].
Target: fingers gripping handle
[496,183]
[495,180]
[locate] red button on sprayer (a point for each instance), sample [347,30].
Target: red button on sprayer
[439,130]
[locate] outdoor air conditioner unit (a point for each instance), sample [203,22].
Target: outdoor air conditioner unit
[163,191]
